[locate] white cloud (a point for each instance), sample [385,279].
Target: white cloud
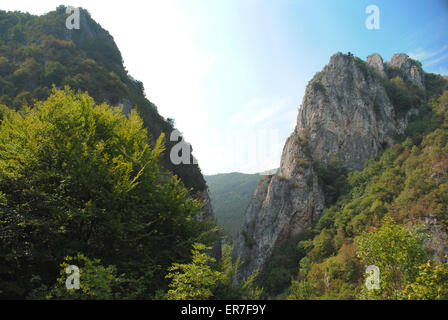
[259,111]
[436,60]
[423,55]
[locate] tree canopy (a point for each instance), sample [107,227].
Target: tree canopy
[78,177]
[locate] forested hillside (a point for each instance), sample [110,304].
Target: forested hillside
[39,51]
[79,180]
[83,169]
[230,194]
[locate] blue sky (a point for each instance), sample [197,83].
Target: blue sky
[232,73]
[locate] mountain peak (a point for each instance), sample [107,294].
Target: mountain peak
[349,112]
[410,69]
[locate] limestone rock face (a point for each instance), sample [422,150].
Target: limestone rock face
[345,114]
[410,69]
[283,206]
[376,62]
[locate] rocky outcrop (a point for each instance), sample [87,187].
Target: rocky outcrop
[411,70]
[126,106]
[437,241]
[376,62]
[346,114]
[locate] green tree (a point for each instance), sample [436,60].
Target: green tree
[430,284]
[80,177]
[95,281]
[227,288]
[54,72]
[195,280]
[396,251]
[333,178]
[301,290]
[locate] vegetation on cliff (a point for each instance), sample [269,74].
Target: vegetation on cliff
[381,220]
[39,51]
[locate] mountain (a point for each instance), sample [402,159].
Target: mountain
[88,202]
[230,195]
[352,111]
[39,51]
[268,172]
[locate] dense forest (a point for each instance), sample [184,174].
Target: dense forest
[230,194]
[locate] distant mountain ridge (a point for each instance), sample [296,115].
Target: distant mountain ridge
[230,195]
[267,172]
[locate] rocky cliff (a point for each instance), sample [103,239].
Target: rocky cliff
[348,113]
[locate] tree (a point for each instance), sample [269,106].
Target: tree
[54,72]
[227,288]
[196,280]
[396,251]
[80,177]
[95,281]
[301,290]
[333,178]
[430,284]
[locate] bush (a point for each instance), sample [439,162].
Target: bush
[317,85]
[333,179]
[95,281]
[396,251]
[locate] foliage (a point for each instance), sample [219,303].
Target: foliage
[318,86]
[300,290]
[202,279]
[95,281]
[403,95]
[333,179]
[430,284]
[435,85]
[196,280]
[396,251]
[80,177]
[282,265]
[226,288]
[230,194]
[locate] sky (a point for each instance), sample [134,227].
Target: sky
[232,73]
